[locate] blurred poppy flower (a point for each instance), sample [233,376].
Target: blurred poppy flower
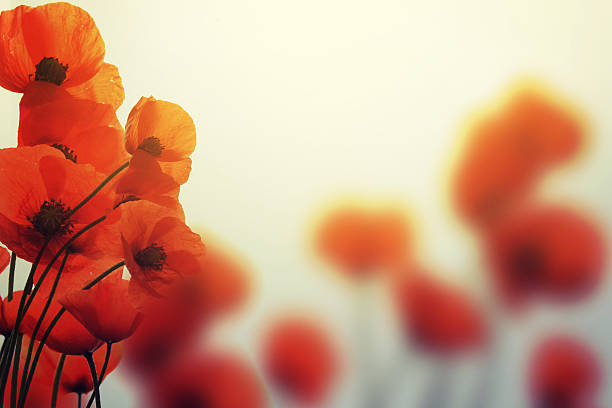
[76,375]
[165,131]
[563,373]
[300,359]
[545,250]
[437,316]
[105,309]
[57,43]
[207,381]
[360,240]
[84,131]
[157,248]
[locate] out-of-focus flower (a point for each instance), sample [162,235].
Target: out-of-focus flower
[545,250]
[40,187]
[508,151]
[165,131]
[84,131]
[57,43]
[76,375]
[158,247]
[207,381]
[437,316]
[300,359]
[563,373]
[105,309]
[361,240]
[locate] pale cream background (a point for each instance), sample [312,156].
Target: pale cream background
[296,102]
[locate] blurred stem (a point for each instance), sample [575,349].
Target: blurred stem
[79,402]
[11,279]
[102,371]
[94,378]
[56,381]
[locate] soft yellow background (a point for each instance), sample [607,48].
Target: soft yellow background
[297,102]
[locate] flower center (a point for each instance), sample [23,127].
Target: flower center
[152,257]
[68,152]
[152,145]
[192,399]
[52,219]
[528,264]
[49,69]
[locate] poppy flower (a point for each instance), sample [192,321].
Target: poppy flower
[165,131]
[207,381]
[145,180]
[40,187]
[76,374]
[105,309]
[563,373]
[300,359]
[5,259]
[158,248]
[84,131]
[360,240]
[57,43]
[437,316]
[545,250]
[104,87]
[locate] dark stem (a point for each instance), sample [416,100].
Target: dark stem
[102,371]
[11,280]
[79,402]
[16,371]
[94,378]
[56,381]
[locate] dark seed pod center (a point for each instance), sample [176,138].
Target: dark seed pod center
[49,69]
[528,264]
[152,145]
[52,219]
[152,257]
[68,152]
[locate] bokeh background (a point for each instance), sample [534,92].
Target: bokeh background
[299,102]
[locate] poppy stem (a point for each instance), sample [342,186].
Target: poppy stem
[11,279]
[100,187]
[58,315]
[16,371]
[94,378]
[56,381]
[79,402]
[102,371]
[26,365]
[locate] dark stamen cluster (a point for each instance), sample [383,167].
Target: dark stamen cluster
[49,69]
[152,145]
[68,152]
[151,257]
[52,219]
[527,264]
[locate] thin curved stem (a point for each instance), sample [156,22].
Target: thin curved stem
[102,371]
[11,279]
[94,378]
[56,381]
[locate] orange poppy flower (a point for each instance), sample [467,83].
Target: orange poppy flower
[438,317]
[220,381]
[563,372]
[57,43]
[300,359]
[547,250]
[165,131]
[84,131]
[158,247]
[105,309]
[104,87]
[39,189]
[360,241]
[76,375]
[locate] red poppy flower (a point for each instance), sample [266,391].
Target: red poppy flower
[301,360]
[105,87]
[563,373]
[361,240]
[157,248]
[165,131]
[218,381]
[57,43]
[5,259]
[105,309]
[546,250]
[39,189]
[85,131]
[76,375]
[438,317]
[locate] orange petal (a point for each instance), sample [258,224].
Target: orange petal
[104,87]
[15,62]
